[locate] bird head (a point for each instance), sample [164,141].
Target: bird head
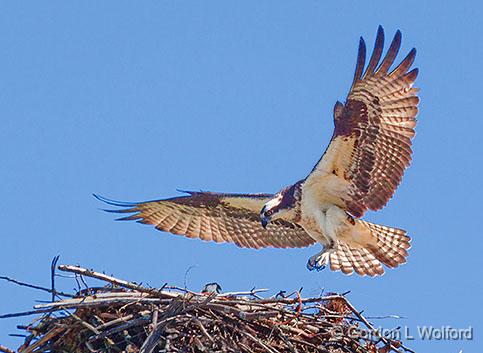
[270,210]
[281,204]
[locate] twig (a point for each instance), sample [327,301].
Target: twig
[202,328]
[296,300]
[376,332]
[90,301]
[115,322]
[286,340]
[125,326]
[385,317]
[23,284]
[154,319]
[88,289]
[186,275]
[25,313]
[235,294]
[5,349]
[257,341]
[113,280]
[153,339]
[50,335]
[53,265]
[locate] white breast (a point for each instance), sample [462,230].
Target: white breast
[322,221]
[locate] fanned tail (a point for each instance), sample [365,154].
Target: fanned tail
[392,244]
[389,247]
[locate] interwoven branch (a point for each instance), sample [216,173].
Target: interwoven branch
[128,317]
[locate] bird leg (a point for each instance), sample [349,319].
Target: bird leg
[320,260]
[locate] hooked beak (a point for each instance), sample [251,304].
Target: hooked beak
[264,220]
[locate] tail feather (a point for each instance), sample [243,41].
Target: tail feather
[373,266]
[340,261]
[392,244]
[389,247]
[360,260]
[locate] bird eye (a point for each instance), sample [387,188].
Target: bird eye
[268,213]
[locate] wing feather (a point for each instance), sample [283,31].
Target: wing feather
[216,217]
[376,53]
[361,58]
[391,54]
[371,145]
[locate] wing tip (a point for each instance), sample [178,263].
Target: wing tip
[397,40]
[412,52]
[379,42]
[413,74]
[361,50]
[133,217]
[361,58]
[362,43]
[376,53]
[380,32]
[114,202]
[187,192]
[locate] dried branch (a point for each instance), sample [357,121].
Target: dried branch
[53,265]
[23,284]
[5,349]
[115,281]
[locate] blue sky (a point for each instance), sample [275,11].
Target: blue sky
[133,100]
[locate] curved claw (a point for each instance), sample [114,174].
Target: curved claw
[318,261]
[320,268]
[311,267]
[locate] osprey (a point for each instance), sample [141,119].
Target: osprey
[360,170]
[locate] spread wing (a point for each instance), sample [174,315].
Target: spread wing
[218,217]
[371,145]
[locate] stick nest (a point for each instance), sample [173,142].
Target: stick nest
[126,317]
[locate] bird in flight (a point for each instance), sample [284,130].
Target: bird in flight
[360,170]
